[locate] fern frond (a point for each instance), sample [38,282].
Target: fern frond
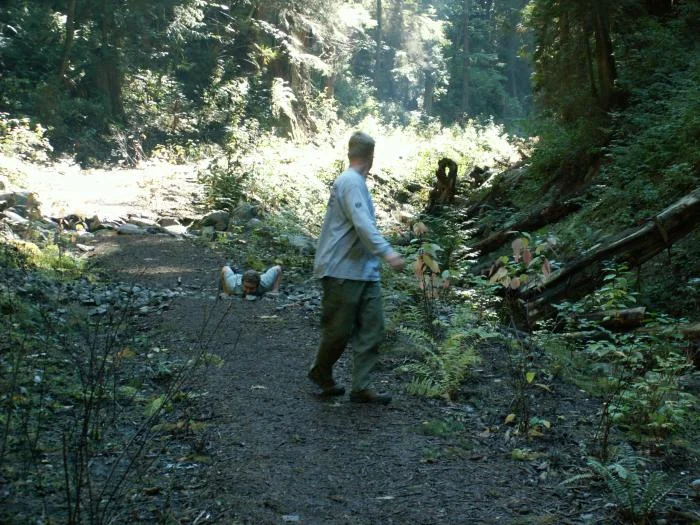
[576,478]
[636,497]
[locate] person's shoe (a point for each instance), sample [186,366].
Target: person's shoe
[325,383]
[369,396]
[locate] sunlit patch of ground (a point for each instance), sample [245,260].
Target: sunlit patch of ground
[155,188]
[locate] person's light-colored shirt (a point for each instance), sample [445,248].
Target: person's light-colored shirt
[234,281]
[350,244]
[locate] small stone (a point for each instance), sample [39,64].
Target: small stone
[168,221]
[208,232]
[106,232]
[245,212]
[48,224]
[305,245]
[175,229]
[129,229]
[143,222]
[254,224]
[94,223]
[218,219]
[14,218]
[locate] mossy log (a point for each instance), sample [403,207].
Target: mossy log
[634,247]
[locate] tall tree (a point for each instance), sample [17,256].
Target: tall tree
[605,59]
[68,41]
[378,42]
[574,48]
[465,59]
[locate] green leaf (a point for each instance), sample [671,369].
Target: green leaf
[530,377]
[431,263]
[155,406]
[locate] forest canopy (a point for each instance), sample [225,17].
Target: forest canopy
[173,71]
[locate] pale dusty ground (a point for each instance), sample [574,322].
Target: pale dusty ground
[152,189]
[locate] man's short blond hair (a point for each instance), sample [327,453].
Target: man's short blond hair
[360,146]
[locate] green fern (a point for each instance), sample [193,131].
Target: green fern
[443,366]
[635,496]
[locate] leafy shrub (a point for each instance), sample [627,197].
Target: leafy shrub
[639,372]
[19,137]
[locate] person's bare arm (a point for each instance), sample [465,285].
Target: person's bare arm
[278,280]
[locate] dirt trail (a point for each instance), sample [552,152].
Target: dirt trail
[269,451]
[277,453]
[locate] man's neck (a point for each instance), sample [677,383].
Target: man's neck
[360,167]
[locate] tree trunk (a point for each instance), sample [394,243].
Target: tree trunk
[329,87]
[378,50]
[633,247]
[590,62]
[428,92]
[605,59]
[692,334]
[465,60]
[110,75]
[68,42]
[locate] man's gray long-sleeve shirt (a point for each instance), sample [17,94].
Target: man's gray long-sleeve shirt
[350,244]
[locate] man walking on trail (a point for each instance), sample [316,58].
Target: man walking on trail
[347,262]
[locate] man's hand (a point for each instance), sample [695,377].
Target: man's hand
[394,260]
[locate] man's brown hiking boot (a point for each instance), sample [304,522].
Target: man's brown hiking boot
[325,383]
[369,396]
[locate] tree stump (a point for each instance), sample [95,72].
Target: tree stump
[445,187]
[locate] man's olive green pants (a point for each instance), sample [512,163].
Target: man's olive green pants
[351,311]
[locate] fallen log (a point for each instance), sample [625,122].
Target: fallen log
[534,221]
[691,332]
[617,319]
[634,247]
